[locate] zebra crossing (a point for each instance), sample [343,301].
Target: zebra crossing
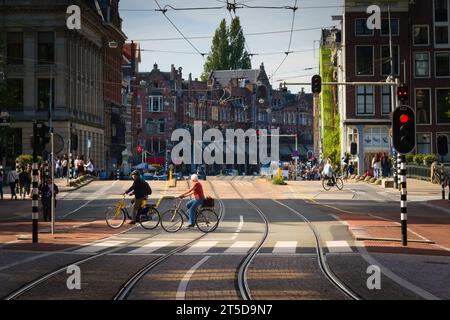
[222,246]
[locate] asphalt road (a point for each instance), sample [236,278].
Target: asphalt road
[286,265]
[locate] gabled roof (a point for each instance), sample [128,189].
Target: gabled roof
[253,75]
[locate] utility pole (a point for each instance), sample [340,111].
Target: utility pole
[52,158]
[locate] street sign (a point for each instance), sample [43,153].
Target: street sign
[295,153]
[295,158]
[58,144]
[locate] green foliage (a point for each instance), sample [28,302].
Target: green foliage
[418,159]
[429,159]
[278,180]
[330,131]
[227,49]
[409,158]
[26,159]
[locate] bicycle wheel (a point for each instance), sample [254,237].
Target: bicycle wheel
[207,220]
[171,220]
[114,217]
[150,219]
[325,185]
[339,183]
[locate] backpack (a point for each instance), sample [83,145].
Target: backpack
[148,189]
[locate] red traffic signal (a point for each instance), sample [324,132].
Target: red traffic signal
[402,93]
[404,118]
[404,129]
[139,149]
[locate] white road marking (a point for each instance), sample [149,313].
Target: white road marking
[240,247]
[99,246]
[239,228]
[181,292]
[338,247]
[201,247]
[285,247]
[151,247]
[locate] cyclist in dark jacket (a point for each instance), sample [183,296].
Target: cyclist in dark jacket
[141,189]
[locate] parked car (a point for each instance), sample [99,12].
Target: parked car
[230,172]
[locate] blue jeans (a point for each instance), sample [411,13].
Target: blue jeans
[192,205]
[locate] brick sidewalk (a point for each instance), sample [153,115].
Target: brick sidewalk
[69,233]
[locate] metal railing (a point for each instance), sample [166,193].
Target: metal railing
[424,172]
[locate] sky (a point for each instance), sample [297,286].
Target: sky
[146,26]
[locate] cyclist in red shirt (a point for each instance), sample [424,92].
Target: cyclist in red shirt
[199,197]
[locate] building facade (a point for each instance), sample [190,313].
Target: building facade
[48,66]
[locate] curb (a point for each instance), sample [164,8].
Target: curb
[70,189]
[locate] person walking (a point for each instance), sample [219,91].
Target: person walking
[12,180]
[46,191]
[199,198]
[64,164]
[141,190]
[24,183]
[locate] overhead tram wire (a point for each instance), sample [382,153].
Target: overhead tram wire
[246,35]
[232,7]
[294,9]
[179,31]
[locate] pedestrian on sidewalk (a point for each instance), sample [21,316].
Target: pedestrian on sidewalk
[64,166]
[24,183]
[1,183]
[46,191]
[12,180]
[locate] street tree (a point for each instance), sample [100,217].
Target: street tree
[227,49]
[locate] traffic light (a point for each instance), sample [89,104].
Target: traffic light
[139,149]
[442,145]
[45,135]
[402,93]
[404,129]
[316,84]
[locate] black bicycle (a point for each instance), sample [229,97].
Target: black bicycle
[334,181]
[206,218]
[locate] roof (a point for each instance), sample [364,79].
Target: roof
[253,75]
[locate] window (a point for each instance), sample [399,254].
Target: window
[365,100]
[13,100]
[421,35]
[155,104]
[424,143]
[364,60]
[46,47]
[14,51]
[446,158]
[386,100]
[394,27]
[442,64]
[376,137]
[440,11]
[149,126]
[443,106]
[441,23]
[385,60]
[423,106]
[421,65]
[361,28]
[161,127]
[44,94]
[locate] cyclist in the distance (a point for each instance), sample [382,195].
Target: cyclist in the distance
[328,172]
[141,190]
[199,197]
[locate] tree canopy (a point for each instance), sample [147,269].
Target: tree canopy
[227,49]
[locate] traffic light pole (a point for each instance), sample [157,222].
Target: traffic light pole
[403,198]
[35,182]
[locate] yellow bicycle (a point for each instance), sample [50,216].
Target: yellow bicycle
[147,215]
